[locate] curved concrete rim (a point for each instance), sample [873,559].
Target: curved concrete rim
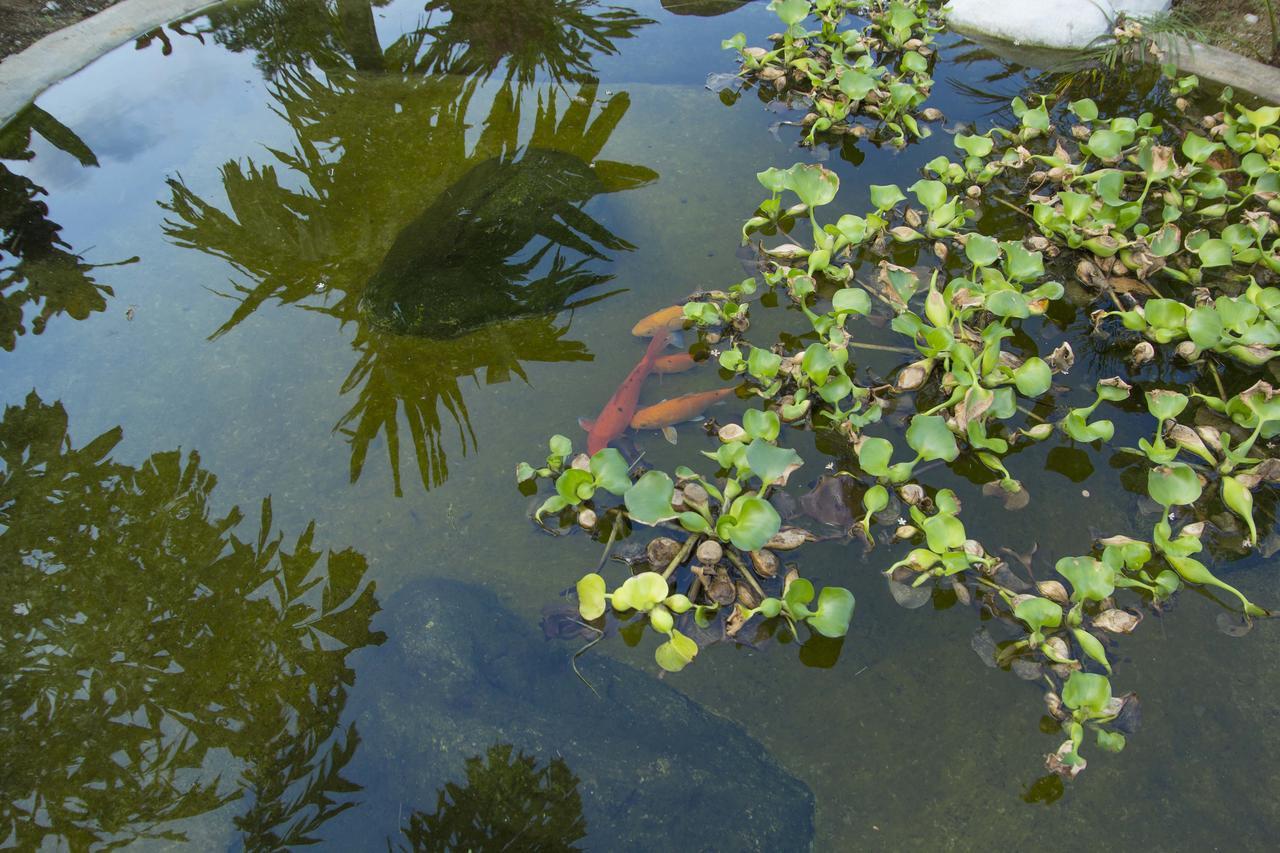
[1211,63]
[23,76]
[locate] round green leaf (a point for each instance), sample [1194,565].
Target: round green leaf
[591,596]
[874,455]
[1087,691]
[761,424]
[1033,378]
[648,500]
[769,462]
[929,437]
[676,653]
[1175,484]
[835,611]
[1038,613]
[981,250]
[1091,580]
[755,522]
[851,300]
[611,471]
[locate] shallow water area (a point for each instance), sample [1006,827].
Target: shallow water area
[288,291]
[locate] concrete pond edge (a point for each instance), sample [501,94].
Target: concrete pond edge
[23,76]
[1192,57]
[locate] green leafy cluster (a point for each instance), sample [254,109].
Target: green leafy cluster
[879,68]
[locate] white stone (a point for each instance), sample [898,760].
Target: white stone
[1046,23]
[1251,18]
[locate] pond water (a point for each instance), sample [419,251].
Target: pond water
[290,288]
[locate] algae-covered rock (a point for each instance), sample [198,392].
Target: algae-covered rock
[657,771]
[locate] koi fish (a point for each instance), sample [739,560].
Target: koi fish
[667,319]
[676,410]
[675,363]
[617,413]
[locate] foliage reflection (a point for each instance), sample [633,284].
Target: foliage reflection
[157,667]
[450,237]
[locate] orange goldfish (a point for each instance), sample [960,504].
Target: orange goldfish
[667,319]
[617,413]
[675,363]
[674,411]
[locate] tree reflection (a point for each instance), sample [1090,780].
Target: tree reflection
[157,667]
[427,200]
[507,803]
[38,271]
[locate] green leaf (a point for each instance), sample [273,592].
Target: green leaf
[835,611]
[874,455]
[1021,265]
[611,471]
[1110,741]
[773,179]
[1175,484]
[974,146]
[1105,145]
[591,596]
[1033,378]
[755,522]
[560,446]
[1092,647]
[943,532]
[769,462]
[851,300]
[1087,691]
[1038,613]
[886,196]
[797,597]
[575,486]
[1085,108]
[815,184]
[555,503]
[761,424]
[1165,404]
[1214,253]
[641,592]
[790,11]
[981,250]
[1198,149]
[1240,500]
[676,653]
[525,472]
[856,85]
[817,363]
[648,501]
[763,364]
[1091,580]
[875,498]
[932,194]
[929,437]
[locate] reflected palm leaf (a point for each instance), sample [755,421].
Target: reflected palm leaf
[116,707]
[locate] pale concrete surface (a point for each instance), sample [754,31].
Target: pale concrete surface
[1045,23]
[58,55]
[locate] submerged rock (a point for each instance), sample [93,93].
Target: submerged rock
[461,673]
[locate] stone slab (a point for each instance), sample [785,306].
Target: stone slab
[1047,23]
[58,55]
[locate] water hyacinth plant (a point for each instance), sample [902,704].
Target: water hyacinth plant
[1163,235]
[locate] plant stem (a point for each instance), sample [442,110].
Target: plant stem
[745,572]
[613,535]
[680,557]
[882,347]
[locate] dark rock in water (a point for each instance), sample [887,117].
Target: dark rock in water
[466,261]
[461,673]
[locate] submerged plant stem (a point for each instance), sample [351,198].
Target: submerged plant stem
[745,572]
[680,557]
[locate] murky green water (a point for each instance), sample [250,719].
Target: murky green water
[320,276]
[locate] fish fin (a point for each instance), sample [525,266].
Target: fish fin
[669,433]
[586,423]
[675,338]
